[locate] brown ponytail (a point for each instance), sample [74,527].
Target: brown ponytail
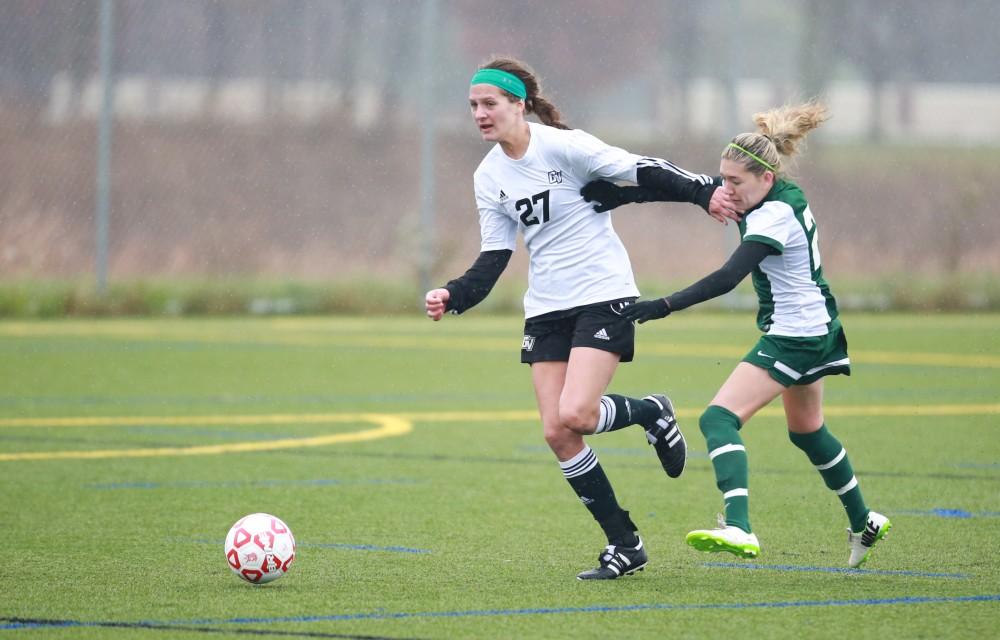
[535,102]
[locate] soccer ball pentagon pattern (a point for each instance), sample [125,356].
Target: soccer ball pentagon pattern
[260,548]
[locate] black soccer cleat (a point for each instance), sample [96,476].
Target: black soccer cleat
[666,437]
[617,561]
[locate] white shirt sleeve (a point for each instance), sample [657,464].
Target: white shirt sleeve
[770,224]
[597,159]
[496,228]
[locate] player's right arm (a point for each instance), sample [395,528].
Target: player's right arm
[745,259]
[436,303]
[471,288]
[499,235]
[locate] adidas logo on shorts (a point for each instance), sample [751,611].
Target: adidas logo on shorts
[602,335]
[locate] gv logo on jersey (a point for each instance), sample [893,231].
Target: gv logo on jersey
[555,177]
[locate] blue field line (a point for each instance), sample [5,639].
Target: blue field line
[479,613]
[940,512]
[362,547]
[380,615]
[335,545]
[206,484]
[792,567]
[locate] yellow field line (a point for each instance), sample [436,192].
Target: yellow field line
[833,410]
[900,410]
[928,359]
[167,334]
[458,416]
[858,356]
[389,426]
[132,421]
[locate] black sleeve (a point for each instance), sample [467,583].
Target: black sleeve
[670,183]
[627,195]
[476,283]
[747,256]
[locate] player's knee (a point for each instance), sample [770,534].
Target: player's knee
[577,417]
[705,423]
[562,441]
[719,426]
[710,423]
[554,439]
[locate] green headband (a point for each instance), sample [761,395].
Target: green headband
[758,159]
[499,78]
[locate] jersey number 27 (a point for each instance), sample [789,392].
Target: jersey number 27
[527,210]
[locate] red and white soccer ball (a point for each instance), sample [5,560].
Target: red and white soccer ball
[260,548]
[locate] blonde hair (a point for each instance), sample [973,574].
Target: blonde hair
[780,134]
[535,102]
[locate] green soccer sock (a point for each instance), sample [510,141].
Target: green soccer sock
[830,459]
[721,428]
[620,411]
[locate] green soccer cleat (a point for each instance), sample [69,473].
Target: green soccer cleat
[876,527]
[727,538]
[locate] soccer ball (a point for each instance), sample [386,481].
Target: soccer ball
[260,548]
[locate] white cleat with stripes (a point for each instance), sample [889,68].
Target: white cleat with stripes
[666,437]
[617,561]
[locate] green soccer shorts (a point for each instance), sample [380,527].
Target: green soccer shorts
[800,361]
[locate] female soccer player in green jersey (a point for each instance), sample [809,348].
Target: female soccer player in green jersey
[579,281]
[803,339]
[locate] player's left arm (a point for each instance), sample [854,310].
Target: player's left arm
[662,181]
[746,257]
[667,182]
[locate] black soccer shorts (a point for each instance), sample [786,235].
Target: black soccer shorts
[549,337]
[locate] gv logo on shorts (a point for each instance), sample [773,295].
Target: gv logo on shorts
[618,307]
[528,343]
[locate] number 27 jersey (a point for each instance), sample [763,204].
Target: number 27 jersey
[575,256]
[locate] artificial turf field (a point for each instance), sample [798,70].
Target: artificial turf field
[407,458]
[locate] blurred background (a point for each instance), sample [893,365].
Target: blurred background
[273,156]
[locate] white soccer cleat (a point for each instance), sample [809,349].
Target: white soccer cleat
[876,527]
[726,538]
[617,561]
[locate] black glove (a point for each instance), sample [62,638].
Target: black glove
[647,310]
[606,194]
[609,195]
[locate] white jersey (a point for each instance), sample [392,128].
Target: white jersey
[575,256]
[795,299]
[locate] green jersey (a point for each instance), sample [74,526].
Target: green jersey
[794,298]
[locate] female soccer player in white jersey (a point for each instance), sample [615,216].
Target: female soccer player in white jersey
[802,342]
[579,281]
